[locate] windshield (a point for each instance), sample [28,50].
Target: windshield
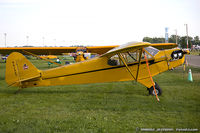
[153,51]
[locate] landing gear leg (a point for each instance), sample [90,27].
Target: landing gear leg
[16,92]
[20,88]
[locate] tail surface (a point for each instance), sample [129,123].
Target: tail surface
[19,69]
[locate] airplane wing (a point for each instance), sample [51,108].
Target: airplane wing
[91,49]
[53,50]
[38,50]
[104,49]
[100,49]
[162,46]
[127,47]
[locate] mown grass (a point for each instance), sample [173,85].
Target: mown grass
[195,52]
[104,107]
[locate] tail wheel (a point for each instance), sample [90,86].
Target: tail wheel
[157,88]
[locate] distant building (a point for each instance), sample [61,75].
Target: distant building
[166,35]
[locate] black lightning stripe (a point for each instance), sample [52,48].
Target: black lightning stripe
[150,63]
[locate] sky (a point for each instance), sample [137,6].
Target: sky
[94,22]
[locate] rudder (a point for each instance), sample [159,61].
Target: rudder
[19,69]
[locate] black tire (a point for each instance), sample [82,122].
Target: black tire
[158,90]
[67,63]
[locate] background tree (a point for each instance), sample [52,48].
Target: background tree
[172,39]
[196,40]
[154,39]
[183,42]
[147,39]
[158,40]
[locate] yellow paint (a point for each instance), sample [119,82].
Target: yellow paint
[48,57]
[79,56]
[19,70]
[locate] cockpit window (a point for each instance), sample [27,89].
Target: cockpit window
[153,51]
[132,56]
[83,49]
[129,57]
[115,61]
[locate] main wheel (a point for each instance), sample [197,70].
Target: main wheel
[67,62]
[158,90]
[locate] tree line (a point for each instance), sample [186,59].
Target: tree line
[181,40]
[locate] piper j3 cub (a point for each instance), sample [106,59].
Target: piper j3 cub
[132,61]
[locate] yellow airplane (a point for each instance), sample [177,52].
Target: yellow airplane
[48,57]
[79,52]
[132,61]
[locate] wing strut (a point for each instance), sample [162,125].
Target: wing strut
[122,59]
[166,59]
[140,55]
[150,76]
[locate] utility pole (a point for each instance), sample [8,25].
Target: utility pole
[5,38]
[27,37]
[43,40]
[187,33]
[166,35]
[55,42]
[176,36]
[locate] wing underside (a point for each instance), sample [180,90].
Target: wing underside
[54,50]
[127,47]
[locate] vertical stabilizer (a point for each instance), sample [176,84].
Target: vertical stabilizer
[19,69]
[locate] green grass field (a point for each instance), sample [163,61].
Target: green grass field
[104,107]
[195,52]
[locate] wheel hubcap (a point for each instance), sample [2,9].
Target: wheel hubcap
[156,92]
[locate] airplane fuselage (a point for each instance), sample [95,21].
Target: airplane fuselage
[99,70]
